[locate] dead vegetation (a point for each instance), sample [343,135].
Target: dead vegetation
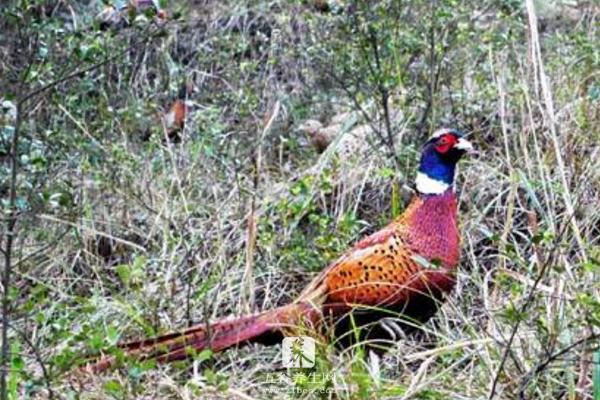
[123,232]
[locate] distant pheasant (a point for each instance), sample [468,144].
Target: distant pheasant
[174,119]
[406,268]
[321,137]
[117,16]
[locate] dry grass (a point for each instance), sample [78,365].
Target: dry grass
[241,214]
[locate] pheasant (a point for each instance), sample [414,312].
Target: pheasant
[117,16]
[174,119]
[405,268]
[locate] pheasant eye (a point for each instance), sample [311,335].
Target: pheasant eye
[444,143]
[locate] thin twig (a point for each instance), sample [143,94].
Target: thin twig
[549,359]
[8,250]
[385,97]
[38,358]
[524,307]
[247,286]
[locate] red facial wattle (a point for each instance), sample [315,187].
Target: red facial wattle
[445,143]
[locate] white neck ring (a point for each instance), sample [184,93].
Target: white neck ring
[427,185]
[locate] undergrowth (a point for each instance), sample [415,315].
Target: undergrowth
[122,232]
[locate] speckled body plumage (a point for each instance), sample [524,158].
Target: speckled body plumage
[404,269]
[418,249]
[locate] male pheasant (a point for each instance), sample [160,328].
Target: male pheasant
[174,119]
[406,268]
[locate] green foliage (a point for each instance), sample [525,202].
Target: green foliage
[218,380]
[392,55]
[17,371]
[315,237]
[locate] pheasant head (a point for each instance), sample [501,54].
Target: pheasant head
[438,161]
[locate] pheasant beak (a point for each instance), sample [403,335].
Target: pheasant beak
[464,145]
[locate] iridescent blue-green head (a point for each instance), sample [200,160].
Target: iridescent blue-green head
[439,157]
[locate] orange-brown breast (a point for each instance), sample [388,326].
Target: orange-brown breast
[178,111]
[414,254]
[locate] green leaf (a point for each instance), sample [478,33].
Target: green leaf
[124,272]
[113,387]
[591,266]
[96,341]
[203,355]
[16,368]
[112,335]
[395,199]
[433,264]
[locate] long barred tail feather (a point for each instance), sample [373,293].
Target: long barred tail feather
[267,327]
